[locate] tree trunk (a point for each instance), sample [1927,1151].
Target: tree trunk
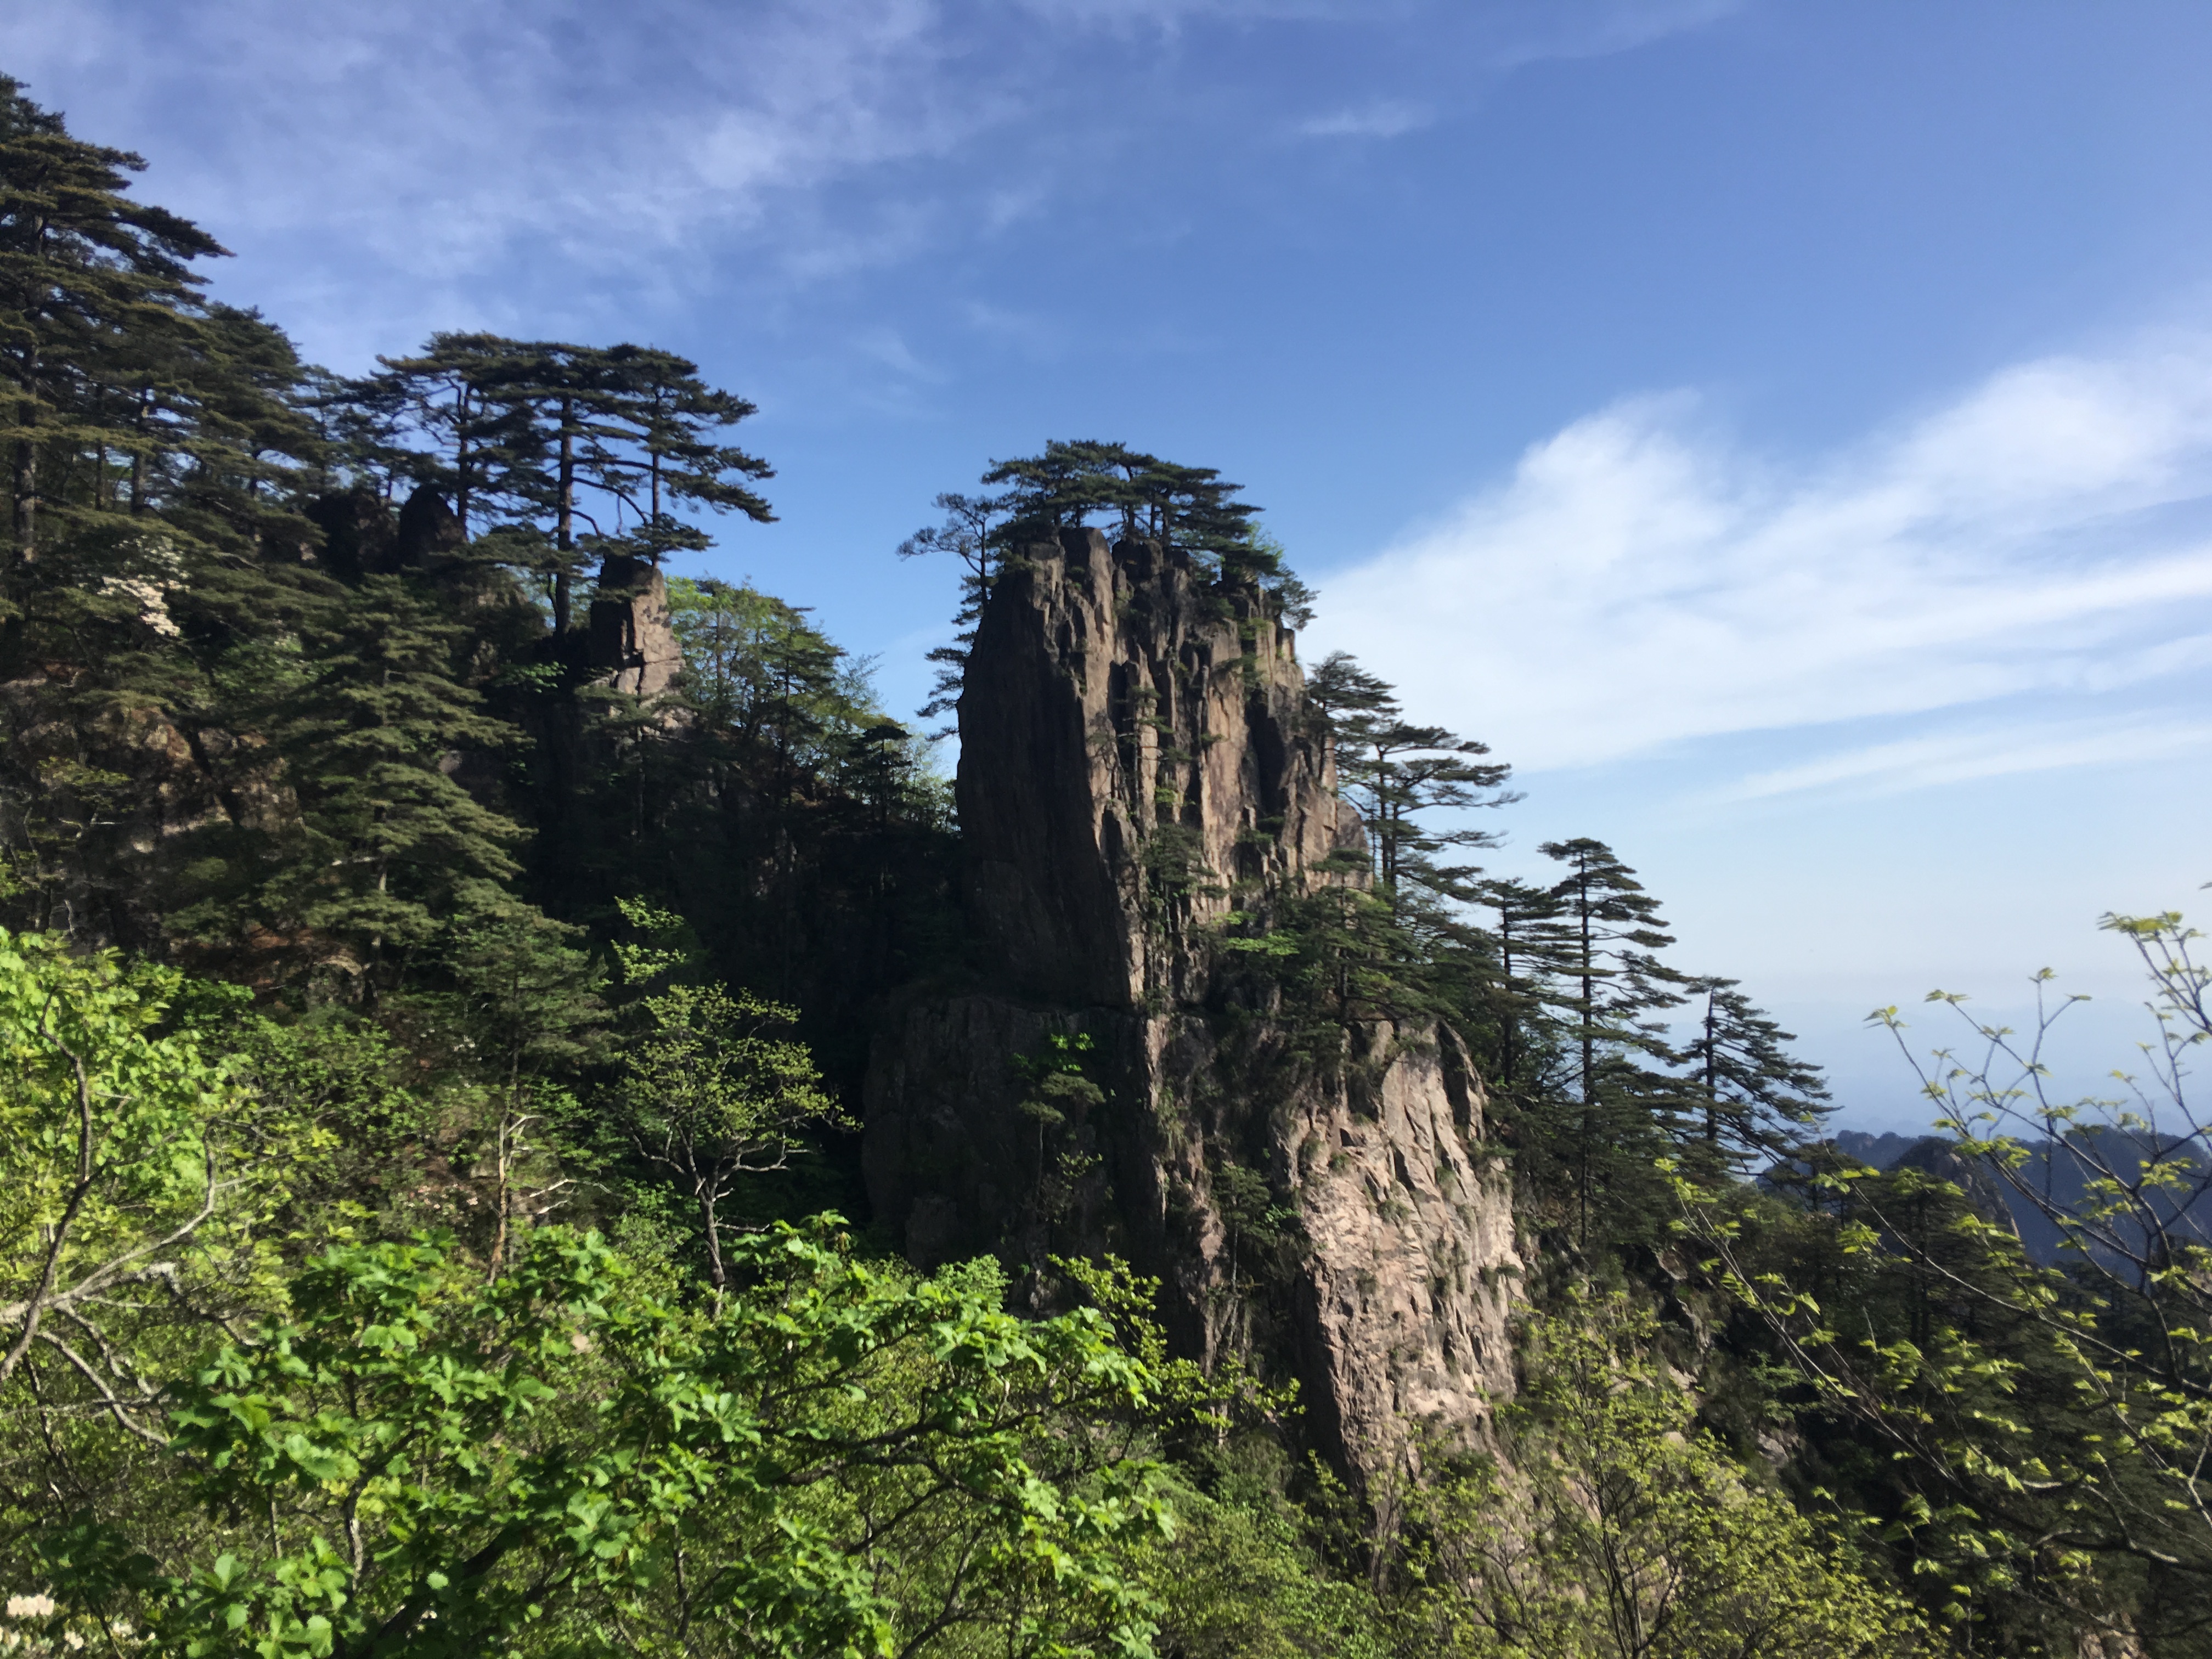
[26,491]
[717,1275]
[461,459]
[564,533]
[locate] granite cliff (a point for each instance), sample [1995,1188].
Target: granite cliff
[1139,768]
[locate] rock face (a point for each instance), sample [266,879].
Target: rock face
[1138,762]
[631,638]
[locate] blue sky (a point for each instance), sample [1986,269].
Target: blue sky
[1783,430]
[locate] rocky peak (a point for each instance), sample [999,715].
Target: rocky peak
[1138,758]
[1133,745]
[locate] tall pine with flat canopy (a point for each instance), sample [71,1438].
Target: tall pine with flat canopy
[666,450]
[1750,1100]
[1608,928]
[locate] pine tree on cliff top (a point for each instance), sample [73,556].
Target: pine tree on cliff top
[1076,482]
[563,387]
[482,449]
[667,452]
[565,454]
[1189,507]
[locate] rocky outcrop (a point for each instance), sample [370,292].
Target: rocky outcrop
[1138,770]
[631,637]
[1130,743]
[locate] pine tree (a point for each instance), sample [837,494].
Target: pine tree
[483,448]
[388,840]
[1395,773]
[1351,703]
[655,448]
[968,534]
[563,389]
[1609,927]
[1750,1097]
[1530,947]
[1191,510]
[87,277]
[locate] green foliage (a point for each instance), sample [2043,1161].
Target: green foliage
[1620,1529]
[389,837]
[2032,1435]
[845,1462]
[1058,1087]
[709,1089]
[292,1359]
[1242,1579]
[109,1164]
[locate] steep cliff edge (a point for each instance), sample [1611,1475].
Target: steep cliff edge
[1137,762]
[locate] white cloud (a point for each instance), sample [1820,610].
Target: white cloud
[432,140]
[522,163]
[1594,28]
[1638,581]
[1963,756]
[1383,120]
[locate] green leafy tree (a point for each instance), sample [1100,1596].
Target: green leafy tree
[147,1193]
[111,1168]
[845,1462]
[1620,1530]
[529,1002]
[2033,1430]
[711,1091]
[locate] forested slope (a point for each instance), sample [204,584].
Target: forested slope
[536,1120]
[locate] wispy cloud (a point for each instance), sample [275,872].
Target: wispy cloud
[1965,755]
[434,142]
[1595,28]
[503,163]
[1640,581]
[1383,120]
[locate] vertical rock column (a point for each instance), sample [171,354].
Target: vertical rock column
[1138,760]
[631,636]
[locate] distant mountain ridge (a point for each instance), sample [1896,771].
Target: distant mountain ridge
[2061,1179]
